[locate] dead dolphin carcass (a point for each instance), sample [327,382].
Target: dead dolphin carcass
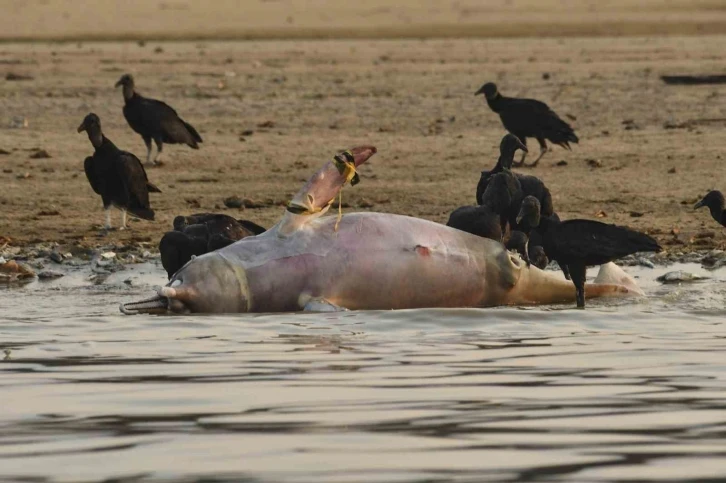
[361,261]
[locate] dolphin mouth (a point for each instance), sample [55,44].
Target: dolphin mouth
[157,304]
[297,209]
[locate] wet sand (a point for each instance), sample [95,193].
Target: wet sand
[271,112]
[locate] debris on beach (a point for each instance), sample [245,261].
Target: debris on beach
[644,262]
[18,123]
[40,154]
[237,202]
[714,259]
[694,79]
[680,276]
[11,271]
[12,76]
[50,274]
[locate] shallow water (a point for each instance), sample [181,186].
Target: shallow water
[632,390]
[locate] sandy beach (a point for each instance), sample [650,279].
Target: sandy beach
[272,111]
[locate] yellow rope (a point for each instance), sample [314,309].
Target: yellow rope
[346,167]
[340,210]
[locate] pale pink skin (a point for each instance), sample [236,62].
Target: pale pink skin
[373,261]
[325,184]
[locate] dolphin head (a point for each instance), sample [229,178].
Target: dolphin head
[207,284]
[322,188]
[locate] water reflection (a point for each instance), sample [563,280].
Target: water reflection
[633,392]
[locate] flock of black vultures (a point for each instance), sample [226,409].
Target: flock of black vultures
[512,208]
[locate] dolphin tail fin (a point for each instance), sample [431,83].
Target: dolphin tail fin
[540,287]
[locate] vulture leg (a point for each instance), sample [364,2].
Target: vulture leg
[543,150]
[147,141]
[578,272]
[123,220]
[524,153]
[107,209]
[525,255]
[159,148]
[565,270]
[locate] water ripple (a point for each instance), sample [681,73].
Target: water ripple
[627,392]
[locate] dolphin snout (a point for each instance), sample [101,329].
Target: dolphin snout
[154,305]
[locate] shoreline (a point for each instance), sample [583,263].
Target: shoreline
[50,261]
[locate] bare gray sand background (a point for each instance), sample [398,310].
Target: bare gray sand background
[182,19]
[648,151]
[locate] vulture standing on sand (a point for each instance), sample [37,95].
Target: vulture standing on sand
[155,120]
[715,202]
[578,244]
[201,233]
[116,175]
[528,118]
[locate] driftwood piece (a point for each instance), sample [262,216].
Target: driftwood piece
[694,80]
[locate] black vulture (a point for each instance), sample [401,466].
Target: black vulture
[537,256]
[528,118]
[521,243]
[155,120]
[715,202]
[532,240]
[201,233]
[118,176]
[219,223]
[527,219]
[503,196]
[578,244]
[530,185]
[507,147]
[178,248]
[477,220]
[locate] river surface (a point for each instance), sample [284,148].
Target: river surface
[628,391]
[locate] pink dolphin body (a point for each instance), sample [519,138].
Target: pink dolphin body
[372,261]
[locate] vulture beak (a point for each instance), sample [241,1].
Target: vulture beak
[521,145]
[82,127]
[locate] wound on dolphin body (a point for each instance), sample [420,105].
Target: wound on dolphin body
[422,250]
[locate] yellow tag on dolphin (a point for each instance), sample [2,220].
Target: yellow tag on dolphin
[345,162]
